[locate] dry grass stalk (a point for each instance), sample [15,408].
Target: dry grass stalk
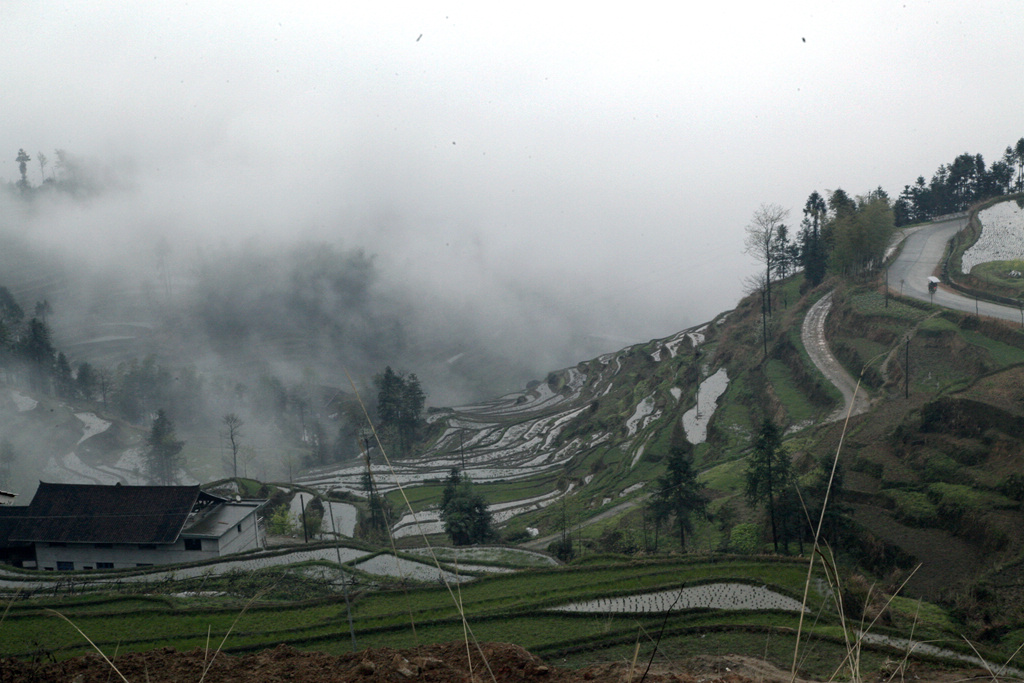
[853,648]
[207,665]
[89,640]
[456,600]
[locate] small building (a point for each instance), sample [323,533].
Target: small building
[20,553]
[87,526]
[7,498]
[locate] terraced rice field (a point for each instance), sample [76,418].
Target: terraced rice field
[1002,236]
[723,596]
[509,556]
[696,419]
[522,436]
[385,565]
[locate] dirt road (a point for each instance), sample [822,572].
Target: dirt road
[855,399]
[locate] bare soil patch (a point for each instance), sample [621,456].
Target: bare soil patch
[447,663]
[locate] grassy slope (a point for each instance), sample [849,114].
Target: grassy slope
[506,608]
[925,476]
[917,493]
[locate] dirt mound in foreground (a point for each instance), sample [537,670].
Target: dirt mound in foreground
[445,663]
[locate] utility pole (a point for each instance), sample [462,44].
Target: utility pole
[462,451]
[369,482]
[344,583]
[302,504]
[764,322]
[887,288]
[906,374]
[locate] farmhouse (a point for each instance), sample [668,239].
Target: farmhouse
[13,553]
[86,526]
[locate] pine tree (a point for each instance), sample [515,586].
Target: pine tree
[389,396]
[85,380]
[678,495]
[464,511]
[23,160]
[400,402]
[38,350]
[163,454]
[412,399]
[62,377]
[768,474]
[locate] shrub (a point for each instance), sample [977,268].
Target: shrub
[518,536]
[1013,487]
[745,538]
[913,507]
[562,549]
[869,467]
[807,381]
[941,467]
[850,357]
[314,517]
[280,523]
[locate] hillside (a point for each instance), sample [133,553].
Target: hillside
[928,477]
[927,501]
[930,474]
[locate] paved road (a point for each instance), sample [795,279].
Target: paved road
[922,253]
[920,258]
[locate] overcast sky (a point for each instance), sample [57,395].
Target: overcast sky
[600,160]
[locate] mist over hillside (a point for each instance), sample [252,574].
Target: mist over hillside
[291,306]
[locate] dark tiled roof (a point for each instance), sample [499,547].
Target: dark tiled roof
[86,513]
[10,517]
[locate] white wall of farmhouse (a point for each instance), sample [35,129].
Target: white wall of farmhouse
[245,535]
[78,556]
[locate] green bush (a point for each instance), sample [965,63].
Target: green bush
[941,467]
[1013,487]
[517,536]
[562,549]
[869,467]
[745,538]
[280,523]
[913,506]
[962,497]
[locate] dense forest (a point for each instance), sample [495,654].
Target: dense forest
[956,186]
[848,235]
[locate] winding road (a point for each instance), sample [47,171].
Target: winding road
[920,258]
[812,333]
[922,253]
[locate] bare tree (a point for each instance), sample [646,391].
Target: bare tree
[234,426]
[762,233]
